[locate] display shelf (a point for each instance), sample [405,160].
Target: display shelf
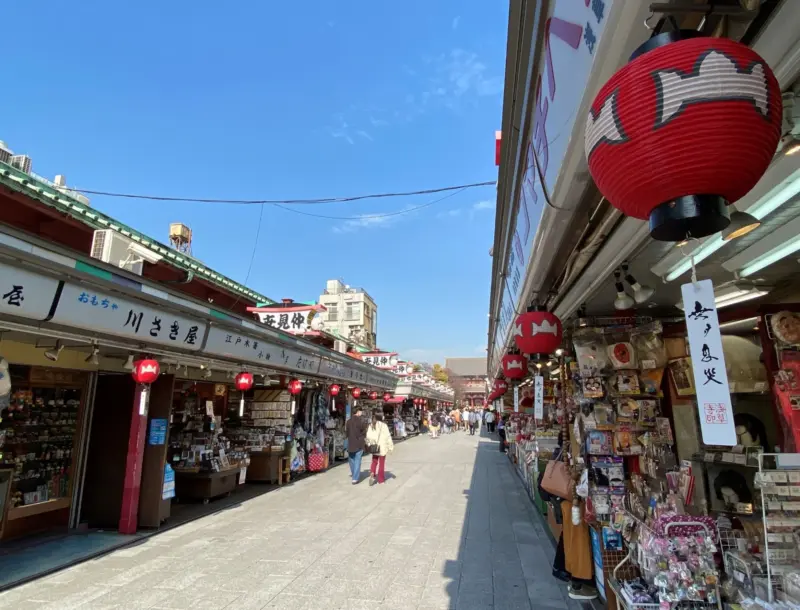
[28,510]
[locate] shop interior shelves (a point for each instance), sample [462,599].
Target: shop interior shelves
[28,510]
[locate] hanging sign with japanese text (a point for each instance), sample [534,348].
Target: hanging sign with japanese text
[224,342]
[516,398]
[538,397]
[708,364]
[341,372]
[296,320]
[573,31]
[383,360]
[85,307]
[26,294]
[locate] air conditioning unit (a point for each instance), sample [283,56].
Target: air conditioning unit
[22,162]
[115,249]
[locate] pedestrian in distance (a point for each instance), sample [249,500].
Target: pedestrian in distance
[490,422]
[434,424]
[356,430]
[501,432]
[380,444]
[474,422]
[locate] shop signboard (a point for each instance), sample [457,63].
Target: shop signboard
[296,320]
[708,364]
[342,372]
[26,294]
[403,368]
[168,488]
[382,360]
[84,307]
[538,397]
[255,349]
[380,381]
[158,431]
[574,29]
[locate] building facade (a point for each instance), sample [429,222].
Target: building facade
[351,313]
[467,376]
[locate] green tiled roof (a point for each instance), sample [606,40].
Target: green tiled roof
[46,194]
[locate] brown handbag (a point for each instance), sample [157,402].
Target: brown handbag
[557,480]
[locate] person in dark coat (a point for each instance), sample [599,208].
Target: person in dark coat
[356,429]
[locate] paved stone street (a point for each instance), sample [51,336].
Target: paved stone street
[452,528]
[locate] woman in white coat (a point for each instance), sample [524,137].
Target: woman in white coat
[380,444]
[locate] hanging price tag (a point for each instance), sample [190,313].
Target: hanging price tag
[516,398]
[538,397]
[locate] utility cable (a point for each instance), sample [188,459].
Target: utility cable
[287,201]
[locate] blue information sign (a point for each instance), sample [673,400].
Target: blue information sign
[158,431]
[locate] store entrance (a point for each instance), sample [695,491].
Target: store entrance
[108,449]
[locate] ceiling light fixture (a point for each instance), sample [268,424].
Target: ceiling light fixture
[737,322]
[785,249]
[641,294]
[741,224]
[92,358]
[775,198]
[53,354]
[736,292]
[623,300]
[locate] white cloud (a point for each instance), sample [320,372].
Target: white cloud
[467,74]
[449,213]
[456,21]
[364,135]
[378,122]
[487,204]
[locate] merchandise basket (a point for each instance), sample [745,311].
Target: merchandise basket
[623,600]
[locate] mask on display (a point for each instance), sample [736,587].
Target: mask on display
[5,379]
[750,431]
[786,327]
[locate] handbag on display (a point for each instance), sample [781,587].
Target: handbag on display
[316,461]
[557,480]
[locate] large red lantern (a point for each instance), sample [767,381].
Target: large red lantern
[515,366]
[334,390]
[386,396]
[373,395]
[295,387]
[145,371]
[537,332]
[356,392]
[244,381]
[687,127]
[500,386]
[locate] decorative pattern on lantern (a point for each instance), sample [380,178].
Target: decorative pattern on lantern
[145,371]
[334,390]
[244,381]
[373,395]
[500,386]
[295,387]
[686,128]
[356,392]
[537,332]
[515,366]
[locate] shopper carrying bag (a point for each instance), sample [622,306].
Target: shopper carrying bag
[380,444]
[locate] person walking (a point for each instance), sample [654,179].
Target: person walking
[434,423]
[380,442]
[475,422]
[356,430]
[501,433]
[490,421]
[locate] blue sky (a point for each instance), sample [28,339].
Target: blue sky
[282,100]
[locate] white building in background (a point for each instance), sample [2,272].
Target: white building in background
[351,313]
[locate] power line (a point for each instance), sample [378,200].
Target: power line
[460,187]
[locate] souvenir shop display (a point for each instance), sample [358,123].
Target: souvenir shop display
[314,431]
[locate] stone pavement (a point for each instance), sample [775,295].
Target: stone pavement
[452,528]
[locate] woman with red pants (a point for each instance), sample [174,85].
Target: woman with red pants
[379,441]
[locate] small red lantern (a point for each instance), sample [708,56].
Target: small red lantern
[334,390]
[500,386]
[386,396]
[145,371]
[515,366]
[537,332]
[244,381]
[295,387]
[665,135]
[356,392]
[373,395]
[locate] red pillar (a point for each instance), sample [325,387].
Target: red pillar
[129,515]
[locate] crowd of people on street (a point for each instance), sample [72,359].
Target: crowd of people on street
[465,419]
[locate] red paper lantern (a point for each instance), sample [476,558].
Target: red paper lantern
[244,381]
[500,386]
[356,392]
[683,130]
[334,390]
[295,387]
[373,395]
[537,332]
[145,371]
[386,396]
[515,366]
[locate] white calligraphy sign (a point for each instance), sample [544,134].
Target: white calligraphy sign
[708,364]
[538,397]
[516,398]
[26,294]
[84,307]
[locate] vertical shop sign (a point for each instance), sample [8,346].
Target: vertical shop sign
[572,33]
[538,397]
[168,488]
[158,431]
[708,364]
[516,398]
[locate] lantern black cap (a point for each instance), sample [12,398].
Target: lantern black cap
[690,216]
[662,40]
